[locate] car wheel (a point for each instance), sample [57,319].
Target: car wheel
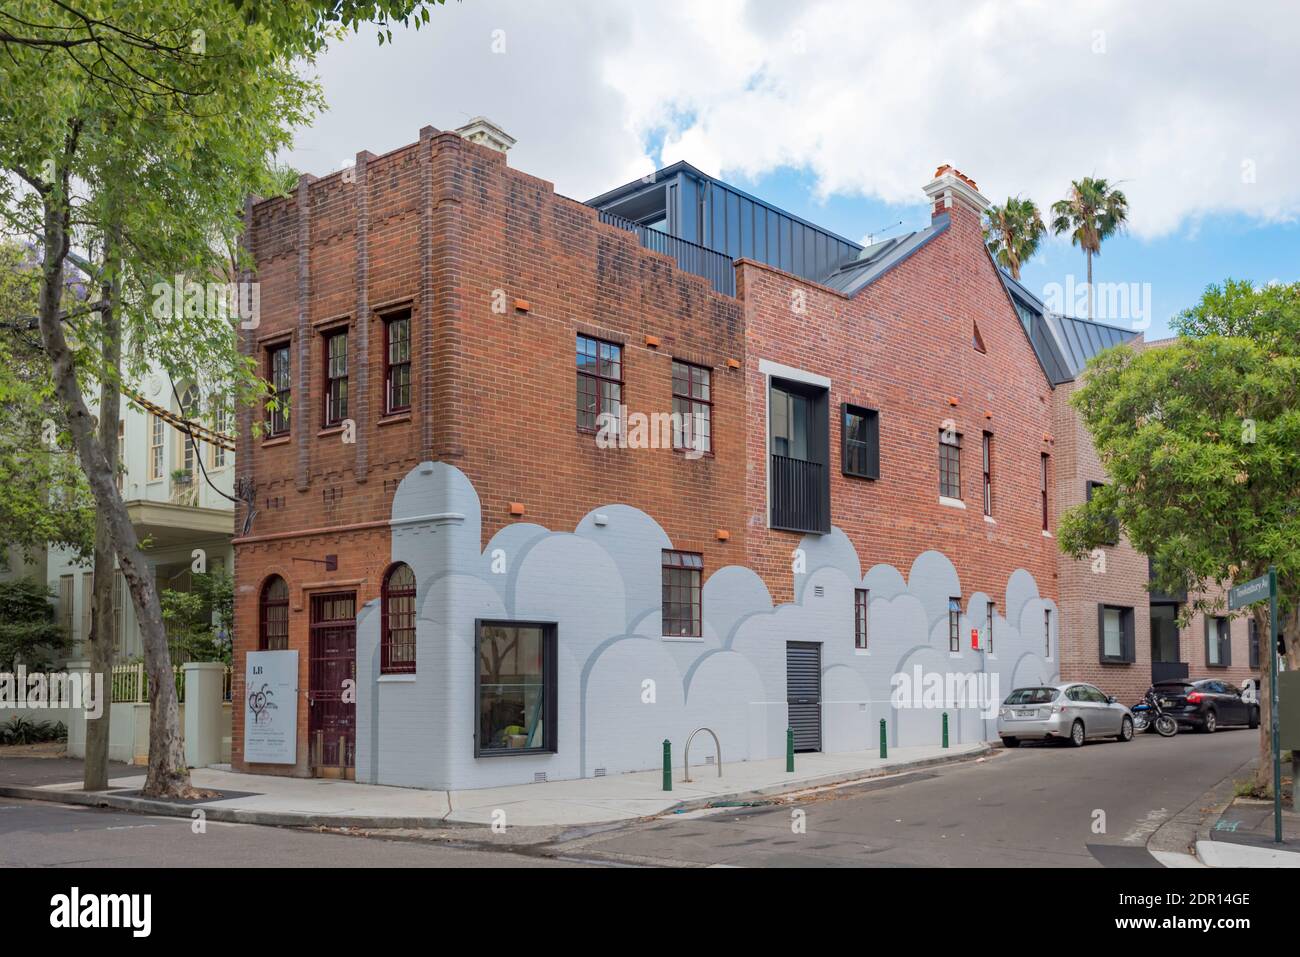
[1010,742]
[1076,734]
[1254,718]
[1126,729]
[1211,722]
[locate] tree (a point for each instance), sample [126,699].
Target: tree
[1092,212]
[28,631]
[152,181]
[1201,439]
[1013,232]
[189,616]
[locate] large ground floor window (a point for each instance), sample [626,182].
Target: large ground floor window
[515,688]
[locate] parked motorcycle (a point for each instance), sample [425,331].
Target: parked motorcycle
[1149,715]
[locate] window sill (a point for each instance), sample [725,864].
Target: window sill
[990,519]
[397,678]
[862,652]
[278,440]
[687,638]
[329,430]
[951,502]
[1046,534]
[1115,661]
[514,752]
[954,654]
[394,417]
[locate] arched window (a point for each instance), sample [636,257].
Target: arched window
[273,617]
[397,654]
[189,402]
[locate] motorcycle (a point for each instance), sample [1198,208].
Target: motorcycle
[1149,715]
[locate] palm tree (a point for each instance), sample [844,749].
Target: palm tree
[1013,232]
[1093,211]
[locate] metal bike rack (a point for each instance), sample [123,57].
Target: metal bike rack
[686,754]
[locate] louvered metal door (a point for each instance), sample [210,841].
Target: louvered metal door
[803,688]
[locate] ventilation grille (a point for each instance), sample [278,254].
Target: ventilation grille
[819,591]
[539,777]
[600,772]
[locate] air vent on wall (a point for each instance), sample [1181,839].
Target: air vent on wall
[819,591]
[600,772]
[539,777]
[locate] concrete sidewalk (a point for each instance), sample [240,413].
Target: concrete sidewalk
[261,799]
[1242,836]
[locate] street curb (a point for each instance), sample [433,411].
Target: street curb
[828,780]
[1182,832]
[232,815]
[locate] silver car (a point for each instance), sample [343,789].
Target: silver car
[1074,711]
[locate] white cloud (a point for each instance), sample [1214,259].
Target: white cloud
[1185,104]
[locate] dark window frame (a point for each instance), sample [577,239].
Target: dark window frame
[264,605]
[1127,635]
[599,380]
[335,409]
[278,421]
[950,465]
[550,688]
[1047,633]
[991,614]
[869,447]
[1224,638]
[861,606]
[388,665]
[692,401]
[789,473]
[954,624]
[676,562]
[1044,463]
[1252,644]
[392,407]
[986,455]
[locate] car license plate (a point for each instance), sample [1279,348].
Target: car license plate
[1166,703]
[1026,714]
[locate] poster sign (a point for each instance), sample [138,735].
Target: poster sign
[271,707]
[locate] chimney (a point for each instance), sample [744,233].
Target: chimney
[952,187]
[484,132]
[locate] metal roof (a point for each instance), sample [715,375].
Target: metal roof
[1063,344]
[878,258]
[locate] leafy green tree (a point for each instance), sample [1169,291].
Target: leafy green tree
[1013,232]
[28,631]
[1093,211]
[1201,439]
[200,621]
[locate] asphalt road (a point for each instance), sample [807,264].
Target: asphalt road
[1035,806]
[40,834]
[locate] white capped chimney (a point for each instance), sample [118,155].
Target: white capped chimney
[484,132]
[951,185]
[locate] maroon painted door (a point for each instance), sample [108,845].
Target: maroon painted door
[332,671]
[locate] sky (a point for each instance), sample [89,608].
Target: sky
[841,110]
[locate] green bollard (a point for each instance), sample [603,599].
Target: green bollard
[789,750]
[945,729]
[668,765]
[884,752]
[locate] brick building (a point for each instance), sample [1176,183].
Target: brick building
[557,481]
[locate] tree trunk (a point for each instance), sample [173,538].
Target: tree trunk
[167,775]
[1088,255]
[103,633]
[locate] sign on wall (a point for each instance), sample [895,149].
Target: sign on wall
[271,707]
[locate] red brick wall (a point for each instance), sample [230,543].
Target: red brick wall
[904,346]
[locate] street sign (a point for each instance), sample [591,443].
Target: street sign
[1247,593]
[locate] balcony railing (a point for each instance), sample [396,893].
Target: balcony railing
[799,495]
[691,257]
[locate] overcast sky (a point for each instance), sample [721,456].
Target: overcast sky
[840,110]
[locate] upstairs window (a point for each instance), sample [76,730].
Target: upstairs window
[976,339]
[336,378]
[1218,642]
[692,407]
[954,624]
[860,432]
[1042,486]
[1115,624]
[950,464]
[189,409]
[397,641]
[397,363]
[277,362]
[988,473]
[1252,637]
[600,382]
[157,436]
[681,594]
[1112,524]
[799,464]
[220,425]
[992,614]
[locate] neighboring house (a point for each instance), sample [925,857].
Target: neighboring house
[853,495]
[177,514]
[1123,637]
